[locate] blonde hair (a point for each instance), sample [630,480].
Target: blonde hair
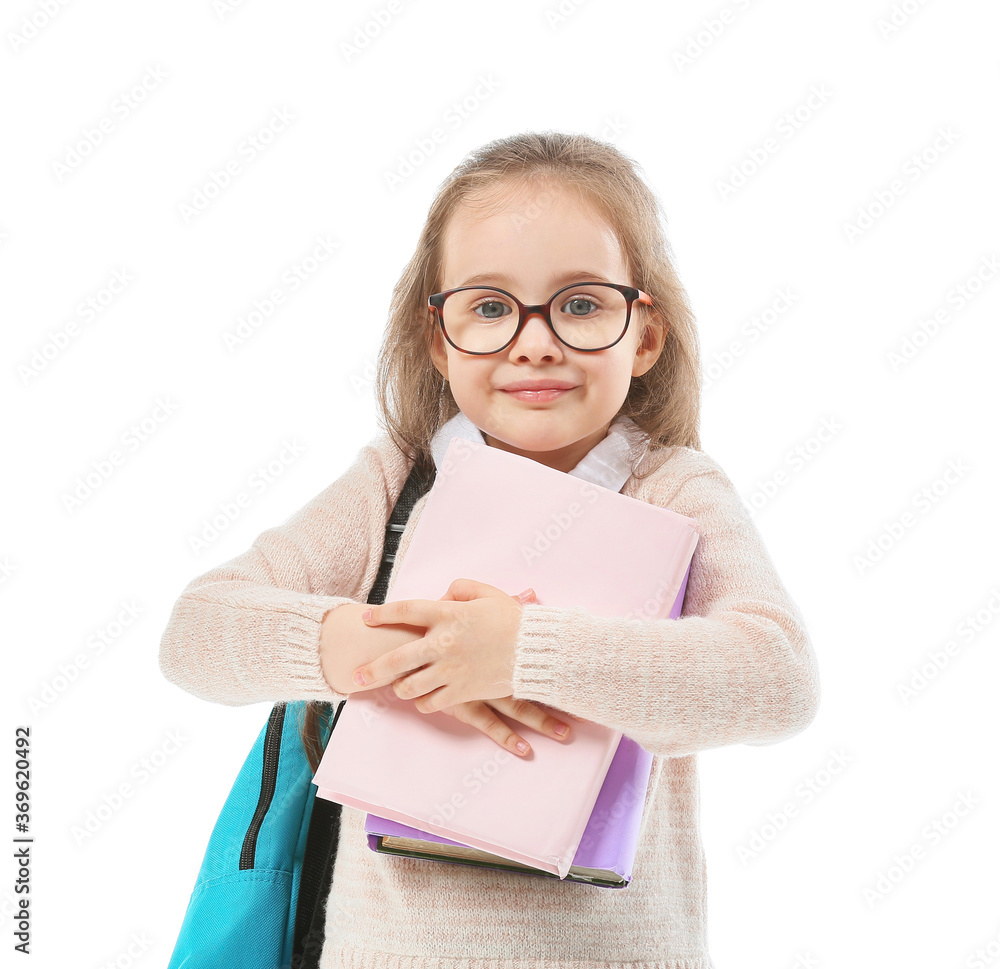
[414,399]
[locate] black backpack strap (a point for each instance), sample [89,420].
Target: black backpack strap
[324,825]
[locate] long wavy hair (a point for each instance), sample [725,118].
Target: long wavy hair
[413,398]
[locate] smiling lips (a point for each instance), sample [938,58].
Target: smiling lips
[548,393]
[538,390]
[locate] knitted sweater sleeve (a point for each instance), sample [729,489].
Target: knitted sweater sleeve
[736,667]
[249,630]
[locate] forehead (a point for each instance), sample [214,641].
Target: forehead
[530,235]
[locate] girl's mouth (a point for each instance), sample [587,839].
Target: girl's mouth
[549,393]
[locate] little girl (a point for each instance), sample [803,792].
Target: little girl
[599,378]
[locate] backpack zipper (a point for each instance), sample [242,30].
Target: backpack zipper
[268,781]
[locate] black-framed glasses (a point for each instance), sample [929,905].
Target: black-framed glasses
[481,319]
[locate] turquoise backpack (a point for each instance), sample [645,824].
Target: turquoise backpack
[249,880]
[245,911]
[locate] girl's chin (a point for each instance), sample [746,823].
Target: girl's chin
[527,441]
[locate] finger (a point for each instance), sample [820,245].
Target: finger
[390,666]
[463,590]
[533,716]
[408,612]
[483,718]
[433,701]
[417,685]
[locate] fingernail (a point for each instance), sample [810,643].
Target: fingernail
[522,746]
[359,678]
[366,615]
[561,729]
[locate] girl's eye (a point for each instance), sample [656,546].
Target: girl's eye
[494,309]
[578,307]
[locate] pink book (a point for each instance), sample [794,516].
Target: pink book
[606,853]
[513,523]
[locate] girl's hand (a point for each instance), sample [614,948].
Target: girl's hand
[466,654]
[483,716]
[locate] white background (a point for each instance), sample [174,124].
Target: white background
[809,896]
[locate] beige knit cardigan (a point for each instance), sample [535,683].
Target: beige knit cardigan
[736,668]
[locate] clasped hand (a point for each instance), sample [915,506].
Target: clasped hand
[466,652]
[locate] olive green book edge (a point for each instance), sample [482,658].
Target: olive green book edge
[463,855]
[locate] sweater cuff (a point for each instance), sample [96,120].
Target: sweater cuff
[294,658]
[539,656]
[277,659]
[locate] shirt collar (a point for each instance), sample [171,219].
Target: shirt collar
[608,463]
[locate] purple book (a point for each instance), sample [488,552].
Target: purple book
[607,849]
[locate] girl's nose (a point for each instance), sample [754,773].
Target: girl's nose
[535,335]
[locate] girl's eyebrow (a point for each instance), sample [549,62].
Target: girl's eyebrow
[556,280]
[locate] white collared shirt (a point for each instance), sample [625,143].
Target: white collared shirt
[607,463]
